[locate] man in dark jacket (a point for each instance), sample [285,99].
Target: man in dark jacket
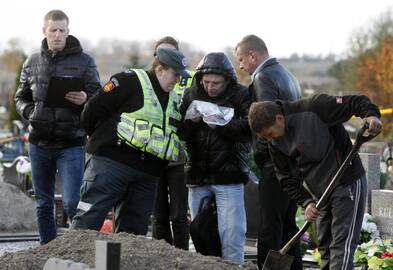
[170,221]
[308,143]
[132,124]
[218,152]
[55,134]
[270,81]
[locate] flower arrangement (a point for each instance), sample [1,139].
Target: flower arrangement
[307,243]
[309,238]
[317,256]
[369,229]
[372,251]
[376,254]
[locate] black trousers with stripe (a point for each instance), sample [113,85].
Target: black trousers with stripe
[340,224]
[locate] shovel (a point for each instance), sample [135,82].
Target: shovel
[280,260]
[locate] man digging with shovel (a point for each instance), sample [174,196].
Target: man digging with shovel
[308,144]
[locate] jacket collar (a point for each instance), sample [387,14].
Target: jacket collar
[268,62]
[72,46]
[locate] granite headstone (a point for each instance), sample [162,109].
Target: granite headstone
[382,212]
[371,163]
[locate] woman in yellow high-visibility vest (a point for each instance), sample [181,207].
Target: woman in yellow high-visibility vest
[132,126]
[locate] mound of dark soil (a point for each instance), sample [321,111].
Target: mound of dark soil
[137,252]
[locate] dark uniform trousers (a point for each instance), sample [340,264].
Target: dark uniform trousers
[171,206]
[108,183]
[277,219]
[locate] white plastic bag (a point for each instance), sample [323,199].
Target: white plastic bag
[211,113]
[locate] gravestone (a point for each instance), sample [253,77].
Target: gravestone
[107,258]
[371,163]
[382,212]
[107,255]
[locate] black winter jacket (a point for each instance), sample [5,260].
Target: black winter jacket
[272,81]
[220,155]
[315,144]
[54,127]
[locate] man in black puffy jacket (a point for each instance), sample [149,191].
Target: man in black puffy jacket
[218,153]
[170,221]
[55,134]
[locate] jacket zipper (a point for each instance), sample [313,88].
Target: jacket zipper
[207,146]
[163,121]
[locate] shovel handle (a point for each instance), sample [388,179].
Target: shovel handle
[295,238]
[360,139]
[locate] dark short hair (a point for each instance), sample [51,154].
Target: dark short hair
[262,115]
[252,43]
[56,15]
[167,40]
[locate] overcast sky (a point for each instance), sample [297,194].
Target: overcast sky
[303,26]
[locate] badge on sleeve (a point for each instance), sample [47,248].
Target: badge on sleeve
[109,86]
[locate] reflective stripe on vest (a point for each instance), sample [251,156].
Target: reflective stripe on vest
[149,129]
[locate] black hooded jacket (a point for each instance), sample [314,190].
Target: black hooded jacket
[218,155]
[54,127]
[316,143]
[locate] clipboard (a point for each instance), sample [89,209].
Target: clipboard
[57,89]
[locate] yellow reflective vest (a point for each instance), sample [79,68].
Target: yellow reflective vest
[150,129]
[184,83]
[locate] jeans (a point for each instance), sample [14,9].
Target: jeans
[108,183]
[231,216]
[171,207]
[69,163]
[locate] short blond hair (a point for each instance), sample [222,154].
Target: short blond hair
[56,15]
[252,43]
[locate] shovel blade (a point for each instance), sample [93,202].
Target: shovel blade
[277,261]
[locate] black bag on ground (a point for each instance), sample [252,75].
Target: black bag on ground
[204,228]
